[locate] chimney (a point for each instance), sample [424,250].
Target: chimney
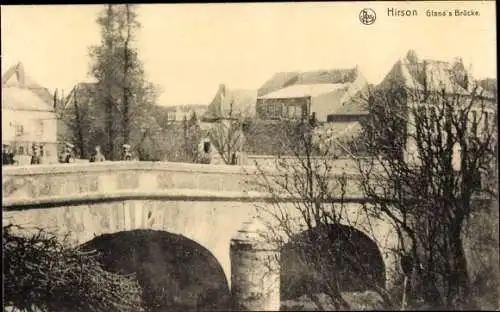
[55,100]
[20,74]
[412,57]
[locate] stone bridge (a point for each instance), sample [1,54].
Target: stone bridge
[207,204]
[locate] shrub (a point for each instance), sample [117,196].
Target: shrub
[42,273]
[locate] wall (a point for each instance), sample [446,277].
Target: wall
[326,104]
[281,108]
[30,120]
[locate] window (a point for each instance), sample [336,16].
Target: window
[206,147]
[39,128]
[270,109]
[19,129]
[292,111]
[274,110]
[171,116]
[486,120]
[20,150]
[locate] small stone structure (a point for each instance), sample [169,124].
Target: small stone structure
[255,272]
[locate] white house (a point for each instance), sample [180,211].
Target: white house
[28,116]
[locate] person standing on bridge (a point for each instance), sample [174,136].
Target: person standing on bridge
[126,154]
[97,156]
[67,155]
[36,158]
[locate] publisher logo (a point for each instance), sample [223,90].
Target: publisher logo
[367,16]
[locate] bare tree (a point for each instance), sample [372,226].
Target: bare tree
[307,217]
[433,156]
[227,137]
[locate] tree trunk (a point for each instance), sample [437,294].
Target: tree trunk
[109,96]
[81,144]
[458,296]
[126,89]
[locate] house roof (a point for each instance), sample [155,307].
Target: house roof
[433,75]
[16,78]
[231,102]
[16,98]
[304,90]
[83,89]
[286,79]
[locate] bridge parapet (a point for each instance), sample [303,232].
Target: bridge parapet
[61,182]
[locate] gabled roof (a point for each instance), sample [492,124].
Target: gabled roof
[86,89]
[21,92]
[352,104]
[231,103]
[432,75]
[15,98]
[286,79]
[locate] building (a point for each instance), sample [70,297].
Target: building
[299,95]
[177,113]
[28,116]
[231,103]
[421,78]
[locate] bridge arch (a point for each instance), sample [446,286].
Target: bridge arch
[175,272]
[330,253]
[377,234]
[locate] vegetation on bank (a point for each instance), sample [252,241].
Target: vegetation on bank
[42,273]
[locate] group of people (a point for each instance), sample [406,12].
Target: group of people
[97,156]
[67,155]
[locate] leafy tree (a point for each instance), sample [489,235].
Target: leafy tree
[123,95]
[192,137]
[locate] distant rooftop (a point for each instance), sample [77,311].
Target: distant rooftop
[433,75]
[230,102]
[304,90]
[331,76]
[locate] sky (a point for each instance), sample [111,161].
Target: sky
[189,49]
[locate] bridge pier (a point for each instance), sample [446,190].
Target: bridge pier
[255,270]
